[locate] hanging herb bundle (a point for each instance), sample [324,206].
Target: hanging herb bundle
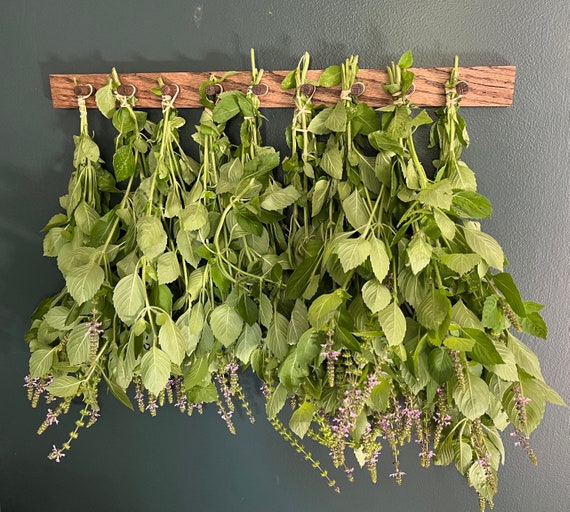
[67,329]
[360,289]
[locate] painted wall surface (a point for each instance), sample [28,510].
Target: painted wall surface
[521,155]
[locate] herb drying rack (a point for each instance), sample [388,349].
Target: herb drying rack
[484,86]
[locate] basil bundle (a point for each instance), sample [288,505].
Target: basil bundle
[358,288]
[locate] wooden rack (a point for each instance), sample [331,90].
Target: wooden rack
[488,86]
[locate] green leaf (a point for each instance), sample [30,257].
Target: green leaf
[298,324]
[194,217]
[492,317]
[318,196]
[461,344]
[197,373]
[168,268]
[64,386]
[331,162]
[86,217]
[248,341]
[508,369]
[171,341]
[475,399]
[124,163]
[301,419]
[486,246]
[484,350]
[440,365]
[462,456]
[437,195]
[375,295]
[352,252]
[155,370]
[471,205]
[41,362]
[119,393]
[365,121]
[505,283]
[525,358]
[295,368]
[226,324]
[318,124]
[289,82]
[77,347]
[535,325]
[84,282]
[151,237]
[247,309]
[105,100]
[129,298]
[463,316]
[419,253]
[324,307]
[56,317]
[406,60]
[383,142]
[393,324]
[331,76]
[347,339]
[461,177]
[379,398]
[445,224]
[226,107]
[355,210]
[300,277]
[276,401]
[379,258]
[434,309]
[279,198]
[336,122]
[461,263]
[276,338]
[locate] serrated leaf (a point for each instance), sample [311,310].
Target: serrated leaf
[484,350]
[197,372]
[299,322]
[124,163]
[419,253]
[437,195]
[461,263]
[440,365]
[471,205]
[279,198]
[461,344]
[129,298]
[84,282]
[406,60]
[492,317]
[475,399]
[56,317]
[318,123]
[375,295]
[508,369]
[105,100]
[352,252]
[535,325]
[168,268]
[505,283]
[462,177]
[300,277]
[41,362]
[171,341]
[226,324]
[393,324]
[119,393]
[276,401]
[248,341]
[276,338]
[151,237]
[434,309]
[462,456]
[379,398]
[379,258]
[331,162]
[155,370]
[445,224]
[486,246]
[301,419]
[64,386]
[336,122]
[525,358]
[318,196]
[194,217]
[463,316]
[77,347]
[355,210]
[323,309]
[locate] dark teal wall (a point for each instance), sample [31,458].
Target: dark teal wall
[129,462]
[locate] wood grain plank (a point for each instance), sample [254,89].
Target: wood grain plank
[489,86]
